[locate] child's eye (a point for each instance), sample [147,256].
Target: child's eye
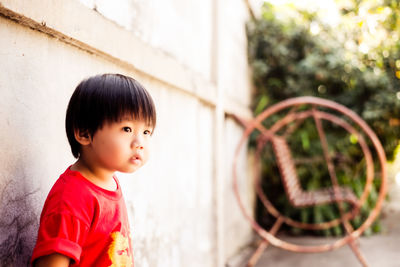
[127,129]
[147,132]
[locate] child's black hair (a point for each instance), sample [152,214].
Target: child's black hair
[106,98]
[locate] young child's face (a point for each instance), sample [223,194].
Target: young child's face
[122,146]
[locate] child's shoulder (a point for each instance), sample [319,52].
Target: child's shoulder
[73,194]
[70,200]
[71,184]
[72,187]
[70,191]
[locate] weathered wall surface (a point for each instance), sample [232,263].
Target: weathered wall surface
[192,59]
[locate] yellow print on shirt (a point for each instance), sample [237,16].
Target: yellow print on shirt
[118,252]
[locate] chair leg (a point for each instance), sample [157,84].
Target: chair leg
[264,244]
[332,174]
[353,244]
[358,253]
[257,254]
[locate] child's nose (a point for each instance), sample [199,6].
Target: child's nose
[137,143]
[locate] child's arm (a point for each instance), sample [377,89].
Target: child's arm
[52,260]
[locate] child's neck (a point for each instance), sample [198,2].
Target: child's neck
[98,176]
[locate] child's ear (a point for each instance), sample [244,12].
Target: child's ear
[82,137]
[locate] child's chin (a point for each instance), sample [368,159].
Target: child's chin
[130,169]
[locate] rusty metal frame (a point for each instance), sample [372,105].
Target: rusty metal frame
[269,236]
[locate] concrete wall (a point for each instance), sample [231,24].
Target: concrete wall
[191,56]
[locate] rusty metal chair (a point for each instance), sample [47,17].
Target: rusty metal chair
[295,194]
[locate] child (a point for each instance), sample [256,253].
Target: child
[109,123]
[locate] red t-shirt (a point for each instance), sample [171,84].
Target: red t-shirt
[86,223]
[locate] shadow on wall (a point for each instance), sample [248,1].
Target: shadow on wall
[18,220]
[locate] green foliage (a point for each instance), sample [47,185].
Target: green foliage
[287,60]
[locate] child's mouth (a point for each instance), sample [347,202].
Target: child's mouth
[136,160]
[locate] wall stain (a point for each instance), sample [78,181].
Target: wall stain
[18,222]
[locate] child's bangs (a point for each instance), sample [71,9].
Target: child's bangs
[132,101]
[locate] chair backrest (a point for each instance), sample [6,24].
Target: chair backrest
[296,195]
[287,168]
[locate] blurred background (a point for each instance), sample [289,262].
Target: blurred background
[203,62]
[345,51]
